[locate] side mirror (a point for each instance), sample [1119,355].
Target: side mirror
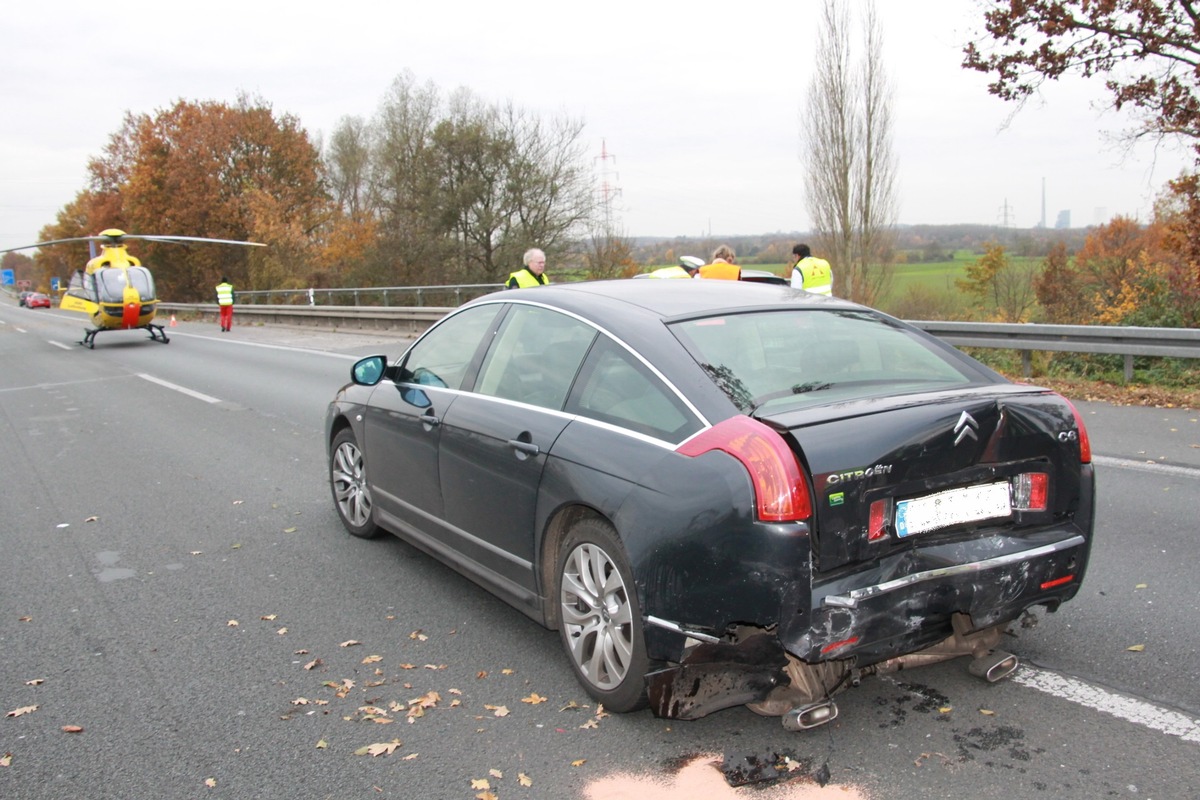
[368,371]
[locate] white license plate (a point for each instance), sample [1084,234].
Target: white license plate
[952,507]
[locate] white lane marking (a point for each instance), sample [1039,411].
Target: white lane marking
[60,344]
[1121,706]
[189,392]
[267,346]
[19,329]
[1147,466]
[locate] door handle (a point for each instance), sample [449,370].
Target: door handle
[430,421]
[524,449]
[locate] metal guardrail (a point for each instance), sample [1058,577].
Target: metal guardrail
[1027,338]
[377,296]
[1024,338]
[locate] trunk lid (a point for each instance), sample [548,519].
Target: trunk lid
[937,467]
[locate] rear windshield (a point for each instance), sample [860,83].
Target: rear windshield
[807,356]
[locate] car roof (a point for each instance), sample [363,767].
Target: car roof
[614,302]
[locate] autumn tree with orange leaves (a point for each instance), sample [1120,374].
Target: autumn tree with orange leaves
[212,170]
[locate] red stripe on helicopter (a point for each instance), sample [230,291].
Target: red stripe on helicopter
[130,318]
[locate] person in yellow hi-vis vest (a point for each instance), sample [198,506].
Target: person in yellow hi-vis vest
[225,301]
[810,273]
[534,273]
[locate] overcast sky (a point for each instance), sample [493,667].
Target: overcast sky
[698,107]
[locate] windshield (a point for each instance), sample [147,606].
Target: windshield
[809,356]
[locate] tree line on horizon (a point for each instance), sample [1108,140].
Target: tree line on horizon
[439,189]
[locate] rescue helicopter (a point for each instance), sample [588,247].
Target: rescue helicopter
[114,289]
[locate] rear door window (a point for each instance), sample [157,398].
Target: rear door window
[617,388]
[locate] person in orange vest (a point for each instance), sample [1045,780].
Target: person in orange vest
[723,265]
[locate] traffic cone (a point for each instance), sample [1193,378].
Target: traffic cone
[172,320]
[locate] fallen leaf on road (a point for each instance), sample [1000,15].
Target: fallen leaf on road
[1136,648]
[499,711]
[945,709]
[533,699]
[23,710]
[316,662]
[233,623]
[349,643]
[986,712]
[524,779]
[410,756]
[579,762]
[282,631]
[210,782]
[418,635]
[6,760]
[322,744]
[72,728]
[289,530]
[269,617]
[380,748]
[486,796]
[92,518]
[495,773]
[480,783]
[1140,586]
[24,619]
[372,659]
[35,682]
[507,671]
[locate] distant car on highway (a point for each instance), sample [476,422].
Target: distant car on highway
[721,493]
[22,297]
[37,300]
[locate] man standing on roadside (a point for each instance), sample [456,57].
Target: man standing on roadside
[225,301]
[534,273]
[810,273]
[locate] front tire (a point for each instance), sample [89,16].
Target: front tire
[600,619]
[348,482]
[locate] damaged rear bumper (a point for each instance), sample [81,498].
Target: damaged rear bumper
[857,627]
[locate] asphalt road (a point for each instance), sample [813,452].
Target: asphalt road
[175,582]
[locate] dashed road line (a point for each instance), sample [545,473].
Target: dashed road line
[1121,706]
[182,389]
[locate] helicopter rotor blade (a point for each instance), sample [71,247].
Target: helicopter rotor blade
[59,241]
[113,239]
[153,238]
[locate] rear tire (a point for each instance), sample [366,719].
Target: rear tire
[348,482]
[600,619]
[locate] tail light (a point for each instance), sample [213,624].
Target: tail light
[877,523]
[1030,491]
[780,485]
[1085,444]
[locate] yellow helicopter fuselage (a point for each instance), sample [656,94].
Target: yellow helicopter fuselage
[114,289]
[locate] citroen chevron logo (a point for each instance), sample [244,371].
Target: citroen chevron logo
[966,426]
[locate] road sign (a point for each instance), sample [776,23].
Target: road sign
[7,276]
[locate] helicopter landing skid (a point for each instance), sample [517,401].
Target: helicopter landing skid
[160,336]
[157,334]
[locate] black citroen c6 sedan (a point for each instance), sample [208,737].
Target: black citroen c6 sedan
[721,493]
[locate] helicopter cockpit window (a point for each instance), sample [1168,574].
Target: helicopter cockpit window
[110,284]
[140,279]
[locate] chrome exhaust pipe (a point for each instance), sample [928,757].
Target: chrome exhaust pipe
[994,666]
[803,718]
